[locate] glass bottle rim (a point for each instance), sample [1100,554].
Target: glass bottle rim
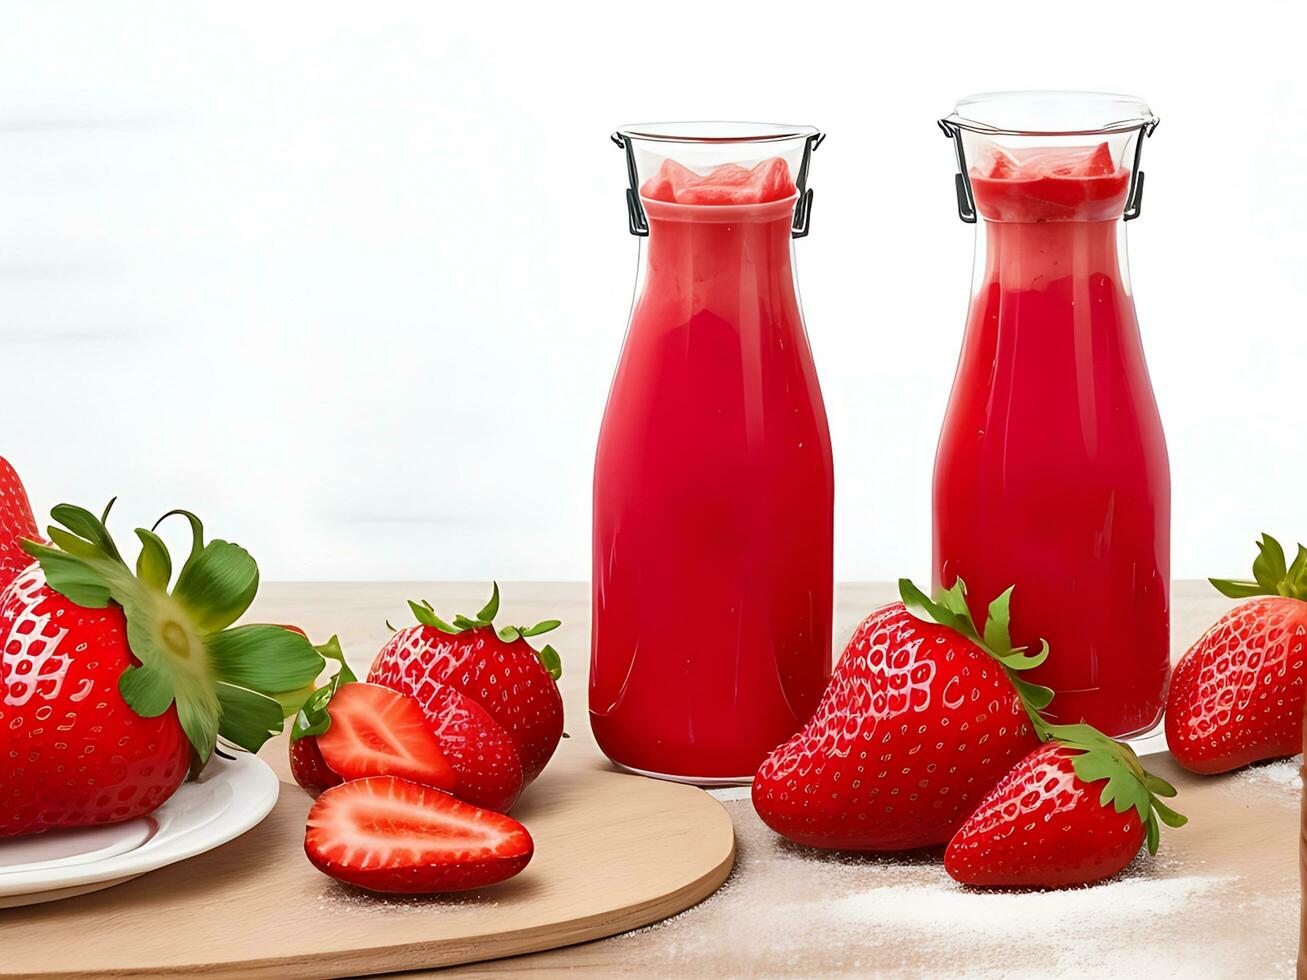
[1051,113]
[715,132]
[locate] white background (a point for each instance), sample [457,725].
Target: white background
[351,280]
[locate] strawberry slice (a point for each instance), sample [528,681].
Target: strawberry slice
[376,732]
[390,835]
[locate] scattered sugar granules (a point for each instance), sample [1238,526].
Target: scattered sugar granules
[789,911]
[1283,774]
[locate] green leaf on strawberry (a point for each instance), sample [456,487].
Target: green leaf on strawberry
[223,682]
[1126,784]
[1271,574]
[426,615]
[542,627]
[949,608]
[552,661]
[491,609]
[312,718]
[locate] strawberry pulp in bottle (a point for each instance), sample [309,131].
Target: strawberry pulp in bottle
[1051,472]
[713,484]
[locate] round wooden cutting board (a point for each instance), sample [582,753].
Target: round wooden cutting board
[613,852]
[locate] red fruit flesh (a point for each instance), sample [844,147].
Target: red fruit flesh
[72,752]
[506,679]
[1237,695]
[391,835]
[916,726]
[309,768]
[376,732]
[16,523]
[1042,827]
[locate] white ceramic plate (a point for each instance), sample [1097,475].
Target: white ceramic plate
[230,797]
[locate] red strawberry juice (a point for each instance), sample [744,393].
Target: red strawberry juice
[1051,471]
[713,491]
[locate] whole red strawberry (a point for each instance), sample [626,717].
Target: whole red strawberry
[921,718]
[16,524]
[112,688]
[1074,811]
[1237,695]
[498,670]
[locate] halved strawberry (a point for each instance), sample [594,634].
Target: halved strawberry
[376,732]
[390,835]
[482,755]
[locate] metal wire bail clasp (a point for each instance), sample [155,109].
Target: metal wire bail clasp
[803,206]
[638,221]
[1134,199]
[961,179]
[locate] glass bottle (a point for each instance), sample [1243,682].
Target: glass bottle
[1051,472]
[713,483]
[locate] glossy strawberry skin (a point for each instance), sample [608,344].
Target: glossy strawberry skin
[73,752]
[16,523]
[1237,695]
[309,768]
[916,726]
[1042,827]
[484,759]
[506,679]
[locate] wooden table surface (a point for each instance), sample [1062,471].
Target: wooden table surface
[1220,900]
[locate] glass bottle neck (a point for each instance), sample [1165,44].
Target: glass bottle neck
[1021,256]
[714,257]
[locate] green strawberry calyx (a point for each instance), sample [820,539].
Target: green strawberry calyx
[426,615]
[1271,574]
[1127,785]
[1095,756]
[234,682]
[949,608]
[312,717]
